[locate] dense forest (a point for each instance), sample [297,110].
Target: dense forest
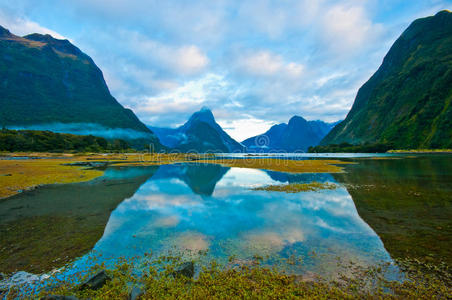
[349,148]
[47,141]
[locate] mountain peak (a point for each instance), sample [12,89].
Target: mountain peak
[296,120]
[60,45]
[444,12]
[204,115]
[205,108]
[4,32]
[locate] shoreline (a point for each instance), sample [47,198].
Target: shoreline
[26,171]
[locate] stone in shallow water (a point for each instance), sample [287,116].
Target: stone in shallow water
[187,269]
[96,281]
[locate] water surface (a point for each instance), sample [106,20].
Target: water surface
[385,207]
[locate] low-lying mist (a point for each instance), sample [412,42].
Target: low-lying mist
[87,129]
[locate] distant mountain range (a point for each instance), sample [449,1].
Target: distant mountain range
[201,133]
[408,102]
[298,135]
[49,84]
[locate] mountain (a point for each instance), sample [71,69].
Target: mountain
[201,178]
[201,133]
[295,136]
[49,84]
[407,102]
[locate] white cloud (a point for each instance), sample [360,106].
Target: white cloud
[245,126]
[184,59]
[346,28]
[186,98]
[22,26]
[265,63]
[188,59]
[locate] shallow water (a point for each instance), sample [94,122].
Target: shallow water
[396,203]
[171,211]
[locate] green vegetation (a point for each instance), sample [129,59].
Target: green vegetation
[157,280]
[407,102]
[49,81]
[297,187]
[20,175]
[349,148]
[421,151]
[47,141]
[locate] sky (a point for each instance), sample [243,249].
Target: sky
[253,63]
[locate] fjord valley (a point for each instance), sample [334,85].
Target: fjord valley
[98,203]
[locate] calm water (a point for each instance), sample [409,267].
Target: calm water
[189,208]
[178,209]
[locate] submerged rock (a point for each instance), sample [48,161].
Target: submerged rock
[187,269]
[96,281]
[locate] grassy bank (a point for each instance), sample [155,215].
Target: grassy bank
[18,173]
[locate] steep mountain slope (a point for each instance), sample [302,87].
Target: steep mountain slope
[48,83]
[407,102]
[201,133]
[296,136]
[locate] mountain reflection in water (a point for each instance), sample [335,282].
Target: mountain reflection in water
[209,207]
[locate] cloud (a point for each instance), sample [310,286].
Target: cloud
[22,26]
[265,63]
[245,126]
[185,99]
[185,59]
[346,28]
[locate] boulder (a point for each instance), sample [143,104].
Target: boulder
[187,269]
[96,281]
